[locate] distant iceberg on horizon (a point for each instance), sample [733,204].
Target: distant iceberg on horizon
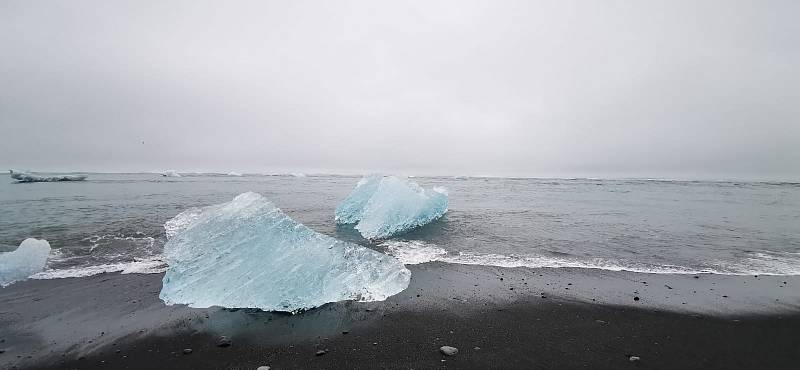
[22,176]
[246,253]
[382,206]
[29,258]
[170,173]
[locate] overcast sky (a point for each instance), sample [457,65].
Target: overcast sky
[671,88]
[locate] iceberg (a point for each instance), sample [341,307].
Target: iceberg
[382,206]
[170,173]
[232,173]
[29,258]
[246,253]
[30,177]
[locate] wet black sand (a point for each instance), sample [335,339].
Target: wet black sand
[117,322]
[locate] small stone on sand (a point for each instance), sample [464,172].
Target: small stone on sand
[223,341]
[448,351]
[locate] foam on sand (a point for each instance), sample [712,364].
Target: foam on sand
[412,252]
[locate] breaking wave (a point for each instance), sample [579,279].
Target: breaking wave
[412,252]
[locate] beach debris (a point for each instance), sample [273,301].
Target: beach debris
[448,351]
[29,258]
[247,253]
[381,206]
[634,358]
[223,341]
[187,351]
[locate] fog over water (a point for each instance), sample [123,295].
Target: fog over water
[677,89]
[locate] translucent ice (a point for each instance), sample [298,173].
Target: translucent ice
[29,258]
[30,177]
[247,253]
[382,206]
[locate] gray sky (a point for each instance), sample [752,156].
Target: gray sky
[705,89]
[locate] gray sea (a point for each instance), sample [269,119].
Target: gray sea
[114,222]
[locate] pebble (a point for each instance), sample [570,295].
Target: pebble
[187,351]
[223,341]
[448,351]
[634,358]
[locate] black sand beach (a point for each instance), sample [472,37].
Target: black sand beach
[496,317]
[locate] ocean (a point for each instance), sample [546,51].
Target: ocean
[114,222]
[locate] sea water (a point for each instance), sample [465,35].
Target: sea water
[115,222]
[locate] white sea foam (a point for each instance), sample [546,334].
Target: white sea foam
[143,266]
[412,252]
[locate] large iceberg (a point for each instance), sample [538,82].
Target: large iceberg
[246,253]
[29,258]
[382,206]
[21,176]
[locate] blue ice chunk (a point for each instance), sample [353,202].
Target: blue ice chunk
[21,176]
[349,210]
[382,206]
[29,258]
[246,253]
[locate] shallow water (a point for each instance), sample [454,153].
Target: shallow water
[114,222]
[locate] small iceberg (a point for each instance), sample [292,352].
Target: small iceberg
[21,176]
[29,258]
[298,174]
[382,206]
[232,173]
[246,253]
[170,173]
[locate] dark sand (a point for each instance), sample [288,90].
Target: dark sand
[589,318]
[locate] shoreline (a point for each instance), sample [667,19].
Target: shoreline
[587,317]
